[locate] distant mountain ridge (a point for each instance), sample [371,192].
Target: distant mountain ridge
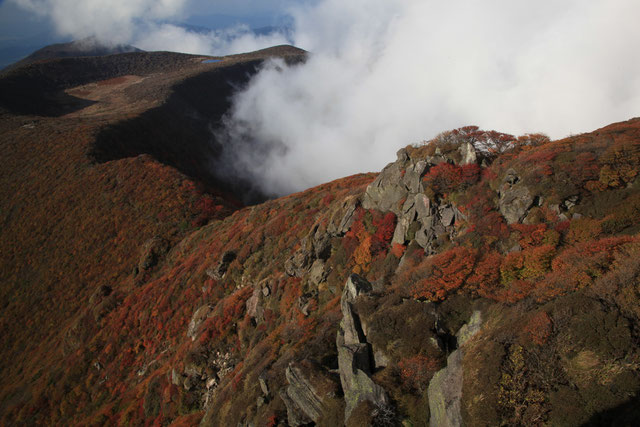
[89,46]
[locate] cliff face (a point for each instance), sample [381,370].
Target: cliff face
[479,279]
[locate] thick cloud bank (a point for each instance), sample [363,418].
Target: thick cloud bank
[403,71]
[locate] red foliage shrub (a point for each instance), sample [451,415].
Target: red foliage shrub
[530,234]
[207,209]
[579,266]
[417,371]
[486,274]
[449,272]
[539,328]
[398,249]
[385,225]
[583,230]
[326,200]
[514,291]
[446,178]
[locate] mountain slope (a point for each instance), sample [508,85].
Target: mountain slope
[70,224]
[536,251]
[479,279]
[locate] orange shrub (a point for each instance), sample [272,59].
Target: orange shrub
[449,272]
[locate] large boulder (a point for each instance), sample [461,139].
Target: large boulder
[388,191]
[300,262]
[399,189]
[318,273]
[351,328]
[255,308]
[515,198]
[315,246]
[342,218]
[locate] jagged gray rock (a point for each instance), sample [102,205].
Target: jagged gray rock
[515,198]
[380,359]
[315,246]
[408,216]
[303,401]
[198,317]
[354,353]
[515,203]
[412,178]
[386,192]
[321,242]
[445,392]
[351,329]
[468,153]
[445,388]
[423,207]
[317,274]
[424,236]
[220,270]
[399,189]
[342,218]
[570,202]
[264,386]
[254,305]
[295,415]
[298,264]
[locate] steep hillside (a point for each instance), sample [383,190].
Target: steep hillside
[479,279]
[72,223]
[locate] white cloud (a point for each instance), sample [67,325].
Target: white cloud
[112,20]
[406,70]
[237,39]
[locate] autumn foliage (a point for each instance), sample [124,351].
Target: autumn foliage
[113,348]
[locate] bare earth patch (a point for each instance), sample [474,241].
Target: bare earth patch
[110,97]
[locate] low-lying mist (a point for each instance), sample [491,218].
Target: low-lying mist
[383,74]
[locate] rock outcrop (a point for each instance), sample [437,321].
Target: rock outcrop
[445,388]
[316,246]
[254,305]
[515,198]
[399,189]
[354,353]
[152,251]
[220,270]
[341,219]
[301,397]
[199,316]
